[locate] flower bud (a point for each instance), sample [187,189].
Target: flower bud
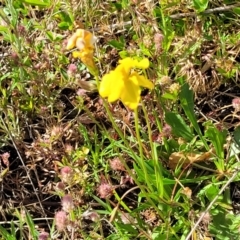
[105,190]
[236,104]
[21,30]
[167,130]
[72,69]
[116,164]
[66,174]
[158,39]
[67,203]
[60,186]
[61,220]
[175,88]
[68,148]
[91,215]
[5,158]
[81,92]
[43,236]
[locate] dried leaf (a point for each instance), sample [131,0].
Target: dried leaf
[184,159]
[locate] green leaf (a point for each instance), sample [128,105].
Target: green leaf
[236,135]
[170,96]
[4,233]
[31,225]
[237,10]
[117,5]
[234,149]
[200,5]
[125,3]
[3,29]
[40,3]
[218,138]
[211,191]
[64,25]
[123,54]
[179,126]
[119,45]
[221,224]
[127,228]
[186,98]
[116,44]
[157,235]
[66,20]
[103,204]
[144,50]
[50,35]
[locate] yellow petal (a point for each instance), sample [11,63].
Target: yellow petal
[84,39]
[80,44]
[80,33]
[141,80]
[77,54]
[107,88]
[129,63]
[117,86]
[131,94]
[72,42]
[143,64]
[125,65]
[104,88]
[85,42]
[87,59]
[89,38]
[126,61]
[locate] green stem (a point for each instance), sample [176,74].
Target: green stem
[146,194]
[141,159]
[157,166]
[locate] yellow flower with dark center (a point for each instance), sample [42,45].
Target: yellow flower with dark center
[124,83]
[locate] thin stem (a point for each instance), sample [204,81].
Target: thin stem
[141,160]
[157,167]
[145,193]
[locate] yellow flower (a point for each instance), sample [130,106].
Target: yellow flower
[86,58]
[84,41]
[125,84]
